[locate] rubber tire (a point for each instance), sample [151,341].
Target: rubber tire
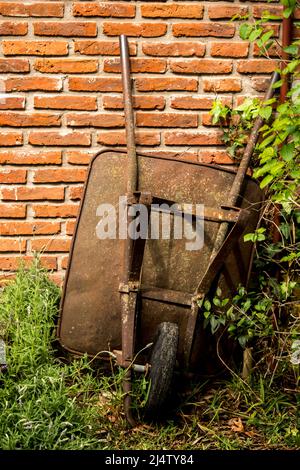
[162,361]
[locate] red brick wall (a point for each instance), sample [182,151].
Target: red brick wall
[61,100]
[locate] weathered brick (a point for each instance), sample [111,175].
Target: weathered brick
[32,84]
[64,262]
[274,50]
[23,47]
[66,29]
[12,244]
[174,49]
[12,211]
[95,120]
[10,139]
[51,245]
[201,29]
[76,102]
[55,210]
[89,47]
[193,138]
[260,84]
[222,85]
[229,49]
[29,119]
[111,9]
[145,30]
[14,66]
[103,84]
[79,157]
[60,175]
[10,28]
[260,11]
[195,102]
[256,66]
[12,102]
[12,263]
[137,65]
[139,102]
[172,10]
[70,227]
[45,9]
[18,157]
[166,120]
[225,11]
[11,176]
[207,66]
[214,156]
[66,65]
[166,84]
[144,138]
[32,194]
[75,192]
[29,228]
[60,138]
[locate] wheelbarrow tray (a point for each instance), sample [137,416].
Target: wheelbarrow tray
[90,316]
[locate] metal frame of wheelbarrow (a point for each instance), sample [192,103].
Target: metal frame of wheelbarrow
[233,222]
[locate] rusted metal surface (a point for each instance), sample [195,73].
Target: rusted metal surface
[90,319]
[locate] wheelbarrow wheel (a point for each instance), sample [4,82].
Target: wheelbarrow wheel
[162,362]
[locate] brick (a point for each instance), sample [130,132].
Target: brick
[199,102]
[64,262]
[32,194]
[259,11]
[260,84]
[95,120]
[202,29]
[51,48]
[225,11]
[89,47]
[61,175]
[103,84]
[12,211]
[9,176]
[75,192]
[66,29]
[18,157]
[12,102]
[137,65]
[226,85]
[214,156]
[79,157]
[112,9]
[10,139]
[70,227]
[57,278]
[229,49]
[29,228]
[86,103]
[32,84]
[166,84]
[166,120]
[12,244]
[193,138]
[172,10]
[10,28]
[174,49]
[66,65]
[139,102]
[35,9]
[145,30]
[210,66]
[206,120]
[256,66]
[274,51]
[29,119]
[14,66]
[51,245]
[55,210]
[12,263]
[143,138]
[60,139]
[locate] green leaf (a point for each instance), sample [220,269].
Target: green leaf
[287,152]
[255,34]
[245,30]
[207,305]
[267,179]
[266,112]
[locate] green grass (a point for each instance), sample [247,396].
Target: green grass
[48,402]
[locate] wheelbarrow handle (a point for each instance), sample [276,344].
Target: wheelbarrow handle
[132,175]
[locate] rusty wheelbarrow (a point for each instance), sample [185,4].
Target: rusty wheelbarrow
[136,295]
